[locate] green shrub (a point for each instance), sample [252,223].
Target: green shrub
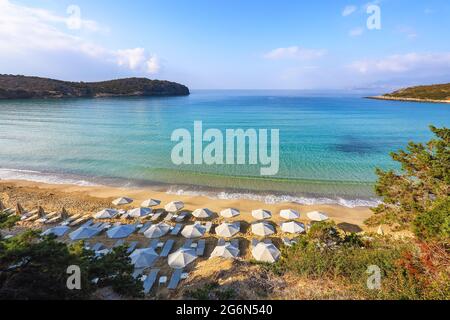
[435,224]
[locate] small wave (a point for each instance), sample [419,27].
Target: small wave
[37,176]
[274,199]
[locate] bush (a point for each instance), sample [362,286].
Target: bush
[8,221]
[34,268]
[435,224]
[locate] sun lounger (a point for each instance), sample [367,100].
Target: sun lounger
[208,226]
[187,244]
[167,247]
[235,243]
[132,246]
[153,244]
[145,227]
[119,243]
[221,242]
[156,216]
[168,217]
[53,220]
[201,247]
[162,280]
[175,279]
[98,246]
[287,242]
[150,280]
[181,216]
[137,273]
[176,230]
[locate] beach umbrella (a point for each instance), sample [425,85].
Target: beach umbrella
[181,258]
[262,229]
[292,227]
[193,231]
[227,230]
[41,212]
[150,203]
[19,209]
[121,231]
[58,231]
[83,233]
[317,216]
[227,251]
[203,213]
[122,201]
[157,230]
[261,214]
[174,206]
[229,213]
[64,214]
[139,212]
[143,258]
[106,214]
[266,252]
[289,214]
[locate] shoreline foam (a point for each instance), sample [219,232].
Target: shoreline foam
[7,174]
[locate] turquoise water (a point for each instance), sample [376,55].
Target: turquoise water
[329,146]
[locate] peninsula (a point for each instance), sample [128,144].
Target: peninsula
[24,87]
[438,93]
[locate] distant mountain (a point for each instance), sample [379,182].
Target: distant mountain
[433,93]
[23,87]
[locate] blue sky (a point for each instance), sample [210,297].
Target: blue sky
[230,44]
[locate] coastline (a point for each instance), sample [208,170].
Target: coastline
[408,99]
[90,198]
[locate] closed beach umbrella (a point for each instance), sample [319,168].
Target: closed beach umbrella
[193,231]
[292,227]
[157,230]
[227,251]
[106,214]
[203,213]
[266,252]
[122,231]
[181,258]
[261,214]
[143,258]
[83,233]
[58,231]
[227,230]
[139,212]
[289,214]
[150,203]
[122,201]
[262,229]
[174,206]
[317,216]
[229,213]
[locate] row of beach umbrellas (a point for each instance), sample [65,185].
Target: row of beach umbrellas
[175,206]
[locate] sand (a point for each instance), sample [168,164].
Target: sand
[90,199]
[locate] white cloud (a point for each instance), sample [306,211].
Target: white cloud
[356,32]
[28,33]
[348,10]
[403,63]
[153,64]
[294,52]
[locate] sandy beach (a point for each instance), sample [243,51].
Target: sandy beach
[89,199]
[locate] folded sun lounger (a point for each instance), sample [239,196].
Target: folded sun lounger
[168,217]
[187,244]
[154,244]
[156,216]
